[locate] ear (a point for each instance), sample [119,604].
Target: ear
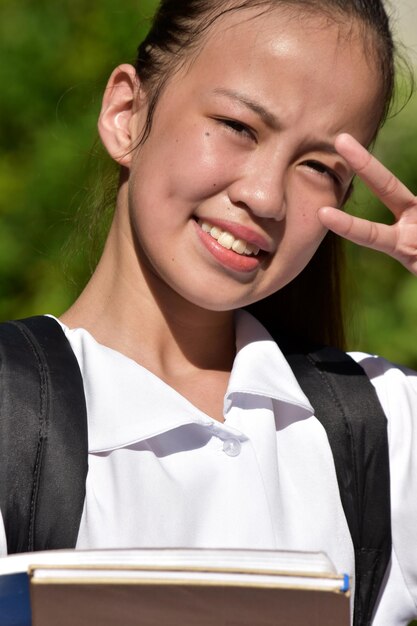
[116,122]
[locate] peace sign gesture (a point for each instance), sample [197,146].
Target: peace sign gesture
[398,240]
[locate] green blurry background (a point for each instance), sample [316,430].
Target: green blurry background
[55,59]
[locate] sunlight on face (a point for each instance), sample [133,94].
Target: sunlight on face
[241,156]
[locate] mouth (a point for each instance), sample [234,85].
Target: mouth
[230,250]
[229,241]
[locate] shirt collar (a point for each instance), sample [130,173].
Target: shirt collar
[118,389]
[260,368]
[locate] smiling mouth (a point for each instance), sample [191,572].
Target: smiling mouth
[228,241]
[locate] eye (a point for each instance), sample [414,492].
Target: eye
[238,128]
[323,170]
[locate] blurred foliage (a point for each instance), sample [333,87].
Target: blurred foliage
[56,56]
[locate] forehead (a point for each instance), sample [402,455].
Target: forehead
[286,56]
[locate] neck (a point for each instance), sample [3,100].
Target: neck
[125,306]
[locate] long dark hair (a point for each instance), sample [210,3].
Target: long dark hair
[311,305]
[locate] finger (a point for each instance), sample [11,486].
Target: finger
[391,191]
[363,232]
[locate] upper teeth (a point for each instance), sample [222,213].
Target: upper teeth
[227,240]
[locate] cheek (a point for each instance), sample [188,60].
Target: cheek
[186,164]
[302,221]
[301,235]
[200,170]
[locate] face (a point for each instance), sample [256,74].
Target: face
[224,193]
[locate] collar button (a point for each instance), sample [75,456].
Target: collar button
[232,447]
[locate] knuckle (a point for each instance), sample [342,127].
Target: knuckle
[388,187]
[373,234]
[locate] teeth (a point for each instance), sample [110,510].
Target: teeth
[228,241]
[251,249]
[239,246]
[215,232]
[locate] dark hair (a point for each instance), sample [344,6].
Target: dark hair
[176,32]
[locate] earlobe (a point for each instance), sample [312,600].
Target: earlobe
[115,123]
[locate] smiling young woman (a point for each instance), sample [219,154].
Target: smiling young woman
[238,134]
[253,157]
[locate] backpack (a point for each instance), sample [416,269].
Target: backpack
[44,446]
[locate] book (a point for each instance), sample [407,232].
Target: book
[172,587]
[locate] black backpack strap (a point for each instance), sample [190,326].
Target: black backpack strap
[346,404]
[43,440]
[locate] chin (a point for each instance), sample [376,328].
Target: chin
[219,300]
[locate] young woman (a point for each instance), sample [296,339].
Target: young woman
[238,134]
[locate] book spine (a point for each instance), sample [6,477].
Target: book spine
[15,600]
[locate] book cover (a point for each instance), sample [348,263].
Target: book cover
[172,587]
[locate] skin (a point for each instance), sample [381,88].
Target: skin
[398,240]
[252,145]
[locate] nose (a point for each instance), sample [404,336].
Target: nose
[261,188]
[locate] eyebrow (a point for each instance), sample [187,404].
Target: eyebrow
[268,117]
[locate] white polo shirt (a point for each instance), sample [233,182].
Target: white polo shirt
[162,473]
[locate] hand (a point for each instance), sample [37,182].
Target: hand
[398,240]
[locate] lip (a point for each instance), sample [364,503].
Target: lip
[241,232]
[228,258]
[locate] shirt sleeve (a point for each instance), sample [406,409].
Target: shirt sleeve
[396,388]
